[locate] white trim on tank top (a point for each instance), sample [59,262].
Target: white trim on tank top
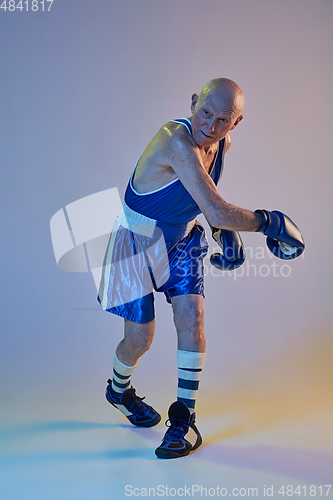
[149,192]
[180,123]
[169,183]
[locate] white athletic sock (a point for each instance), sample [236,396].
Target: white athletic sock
[121,375]
[190,365]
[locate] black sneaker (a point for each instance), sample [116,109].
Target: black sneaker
[137,412]
[182,435]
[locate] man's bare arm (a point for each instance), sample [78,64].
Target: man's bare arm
[183,156]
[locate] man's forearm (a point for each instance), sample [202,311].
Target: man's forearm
[236,219]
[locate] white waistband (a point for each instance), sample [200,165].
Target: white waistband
[135,222]
[145,226]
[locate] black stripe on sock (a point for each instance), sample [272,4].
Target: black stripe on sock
[191,369]
[123,377]
[188,384]
[121,386]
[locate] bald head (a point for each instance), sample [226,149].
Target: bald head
[224,91]
[216,111]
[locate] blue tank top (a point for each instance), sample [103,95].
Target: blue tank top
[171,204]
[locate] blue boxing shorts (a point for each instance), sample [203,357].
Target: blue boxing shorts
[141,257]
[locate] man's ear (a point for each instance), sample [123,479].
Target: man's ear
[194,101]
[239,119]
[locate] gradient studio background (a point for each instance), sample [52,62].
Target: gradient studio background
[84,88]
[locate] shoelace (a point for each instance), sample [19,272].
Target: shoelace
[177,429]
[136,406]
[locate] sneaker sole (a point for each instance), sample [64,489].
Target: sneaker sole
[153,422]
[164,453]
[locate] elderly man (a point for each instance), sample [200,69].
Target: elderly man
[158,244]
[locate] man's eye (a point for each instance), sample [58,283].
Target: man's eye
[206,112]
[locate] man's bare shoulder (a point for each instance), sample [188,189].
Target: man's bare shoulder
[155,167]
[173,137]
[172,132]
[228,142]
[170,138]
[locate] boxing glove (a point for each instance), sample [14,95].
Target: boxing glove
[233,252]
[284,239]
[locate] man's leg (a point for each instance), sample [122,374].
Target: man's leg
[137,340]
[183,435]
[189,322]
[188,316]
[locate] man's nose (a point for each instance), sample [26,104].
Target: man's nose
[211,124]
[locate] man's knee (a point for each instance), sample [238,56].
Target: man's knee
[188,313]
[139,336]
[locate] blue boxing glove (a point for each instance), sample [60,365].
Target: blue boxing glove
[283,236]
[233,252]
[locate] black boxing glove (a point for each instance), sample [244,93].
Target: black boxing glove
[233,252]
[284,239]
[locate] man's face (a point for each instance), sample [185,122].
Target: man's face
[213,117]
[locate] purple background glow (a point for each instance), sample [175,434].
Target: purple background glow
[84,88]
